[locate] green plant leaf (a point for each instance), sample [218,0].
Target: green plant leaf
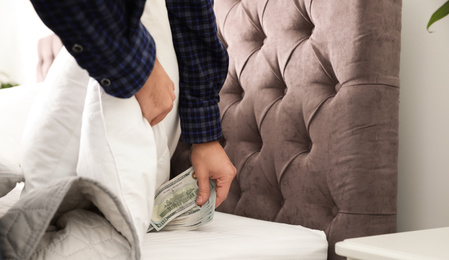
[7,85]
[440,13]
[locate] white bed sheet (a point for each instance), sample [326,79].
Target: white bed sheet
[226,237]
[235,237]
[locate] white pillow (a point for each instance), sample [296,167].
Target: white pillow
[155,19]
[119,147]
[50,141]
[10,173]
[7,180]
[100,137]
[14,107]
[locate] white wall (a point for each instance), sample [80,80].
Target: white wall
[20,29]
[423,199]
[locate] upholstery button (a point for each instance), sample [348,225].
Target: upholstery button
[337,87]
[105,82]
[334,211]
[77,48]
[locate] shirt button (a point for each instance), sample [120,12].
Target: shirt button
[105,82]
[77,48]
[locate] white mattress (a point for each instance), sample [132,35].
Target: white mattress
[234,237]
[227,237]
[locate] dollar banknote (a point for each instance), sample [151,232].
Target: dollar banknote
[175,205]
[195,217]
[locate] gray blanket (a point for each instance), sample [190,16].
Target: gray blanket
[73,218]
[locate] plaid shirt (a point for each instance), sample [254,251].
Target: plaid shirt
[107,39]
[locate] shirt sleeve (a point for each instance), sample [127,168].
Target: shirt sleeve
[106,38]
[203,65]
[109,41]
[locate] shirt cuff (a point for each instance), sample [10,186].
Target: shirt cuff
[200,125]
[129,67]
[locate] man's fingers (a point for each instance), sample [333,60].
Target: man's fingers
[156,96]
[155,115]
[47,48]
[45,57]
[222,194]
[204,188]
[156,120]
[212,159]
[224,184]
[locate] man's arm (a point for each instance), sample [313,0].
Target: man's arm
[203,66]
[106,38]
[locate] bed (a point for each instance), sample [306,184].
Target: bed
[310,120]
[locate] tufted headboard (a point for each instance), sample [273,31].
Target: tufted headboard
[310,112]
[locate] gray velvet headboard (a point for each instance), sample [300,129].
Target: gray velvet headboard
[310,113]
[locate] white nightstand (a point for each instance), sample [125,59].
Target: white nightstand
[430,244]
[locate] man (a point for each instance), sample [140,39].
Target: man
[107,39]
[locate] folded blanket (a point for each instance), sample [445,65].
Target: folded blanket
[61,222]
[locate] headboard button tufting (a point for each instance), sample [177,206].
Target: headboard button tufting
[310,112]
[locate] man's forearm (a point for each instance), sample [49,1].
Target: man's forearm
[106,38]
[203,66]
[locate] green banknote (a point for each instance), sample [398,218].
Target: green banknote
[175,204]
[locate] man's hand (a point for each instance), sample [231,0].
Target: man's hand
[210,161]
[157,95]
[47,50]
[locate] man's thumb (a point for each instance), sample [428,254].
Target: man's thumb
[204,190]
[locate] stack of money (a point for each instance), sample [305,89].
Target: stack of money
[175,205]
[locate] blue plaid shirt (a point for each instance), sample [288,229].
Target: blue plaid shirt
[108,40]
